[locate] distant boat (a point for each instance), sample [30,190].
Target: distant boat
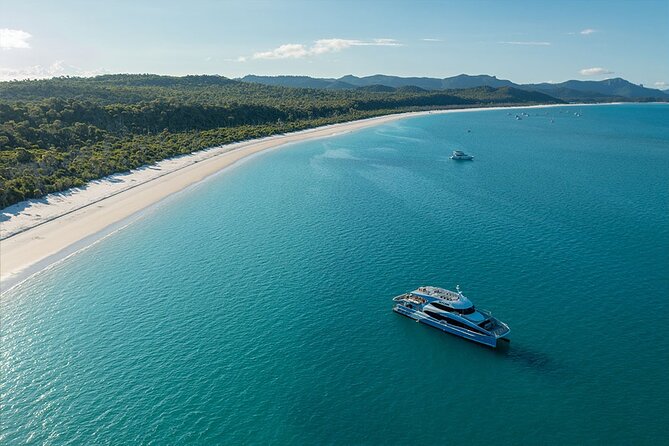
[518,118]
[460,155]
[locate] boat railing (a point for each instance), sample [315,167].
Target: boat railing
[499,328]
[484,312]
[411,298]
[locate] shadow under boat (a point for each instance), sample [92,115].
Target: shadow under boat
[527,357]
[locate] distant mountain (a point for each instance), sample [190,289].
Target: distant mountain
[608,88]
[350,81]
[568,94]
[482,80]
[299,82]
[425,83]
[428,83]
[573,90]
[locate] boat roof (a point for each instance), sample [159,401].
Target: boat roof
[451,298]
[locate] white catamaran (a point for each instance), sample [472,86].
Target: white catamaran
[451,312]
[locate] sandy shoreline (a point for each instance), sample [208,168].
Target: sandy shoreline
[38,233]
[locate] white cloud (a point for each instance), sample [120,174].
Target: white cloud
[527,43]
[321,46]
[595,71]
[588,31]
[287,51]
[14,38]
[58,68]
[381,42]
[431,40]
[662,84]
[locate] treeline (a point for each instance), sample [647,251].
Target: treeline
[63,132]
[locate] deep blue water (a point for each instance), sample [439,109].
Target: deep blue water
[255,307]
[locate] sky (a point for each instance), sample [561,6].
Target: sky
[524,41]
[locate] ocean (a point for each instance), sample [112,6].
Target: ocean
[255,307]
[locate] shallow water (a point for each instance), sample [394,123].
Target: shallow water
[255,307]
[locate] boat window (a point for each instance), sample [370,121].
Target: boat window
[437,316]
[441,306]
[453,322]
[465,326]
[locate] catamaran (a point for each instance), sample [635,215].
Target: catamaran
[452,312]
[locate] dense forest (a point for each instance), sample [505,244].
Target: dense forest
[63,132]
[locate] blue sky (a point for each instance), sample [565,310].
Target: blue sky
[528,41]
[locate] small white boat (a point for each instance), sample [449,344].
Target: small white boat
[460,155]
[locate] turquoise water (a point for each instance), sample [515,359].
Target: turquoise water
[255,307]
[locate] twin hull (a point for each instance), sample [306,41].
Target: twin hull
[490,341]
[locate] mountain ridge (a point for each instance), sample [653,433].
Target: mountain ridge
[571,90]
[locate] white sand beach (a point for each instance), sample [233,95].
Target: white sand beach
[37,233]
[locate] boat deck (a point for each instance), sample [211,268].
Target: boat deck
[411,298]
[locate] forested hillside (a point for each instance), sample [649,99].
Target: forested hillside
[63,132]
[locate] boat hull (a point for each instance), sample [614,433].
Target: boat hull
[490,341]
